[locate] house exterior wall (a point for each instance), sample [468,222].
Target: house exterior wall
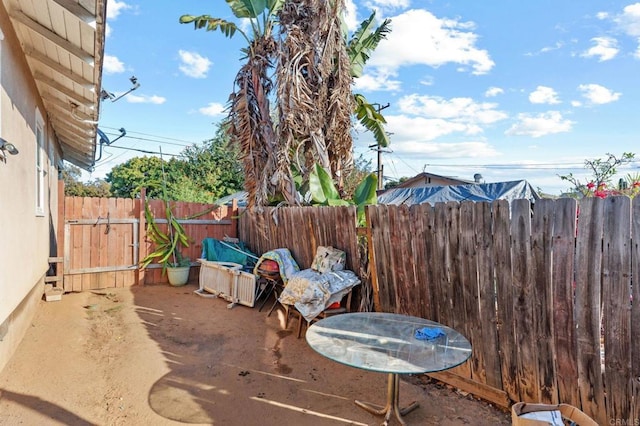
[25,241]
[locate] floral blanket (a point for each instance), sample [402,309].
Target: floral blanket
[311,292]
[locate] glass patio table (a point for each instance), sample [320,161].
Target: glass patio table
[388,343]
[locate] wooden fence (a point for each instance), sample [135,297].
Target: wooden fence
[543,293]
[301,230]
[102,240]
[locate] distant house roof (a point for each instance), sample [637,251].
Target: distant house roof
[471,192]
[227,200]
[430,179]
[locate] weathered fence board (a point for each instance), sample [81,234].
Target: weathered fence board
[541,242]
[504,298]
[588,277]
[616,297]
[564,322]
[487,312]
[523,299]
[635,311]
[468,283]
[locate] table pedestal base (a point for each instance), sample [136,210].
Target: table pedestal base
[393,406]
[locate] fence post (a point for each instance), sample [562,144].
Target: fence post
[372,261]
[142,236]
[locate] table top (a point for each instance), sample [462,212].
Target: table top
[386,343]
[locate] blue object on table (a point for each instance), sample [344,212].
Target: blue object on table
[428,333]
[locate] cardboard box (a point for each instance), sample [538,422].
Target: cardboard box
[547,414]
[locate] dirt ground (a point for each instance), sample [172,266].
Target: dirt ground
[162,355]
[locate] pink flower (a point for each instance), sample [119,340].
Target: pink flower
[602,185]
[600,194]
[636,184]
[591,185]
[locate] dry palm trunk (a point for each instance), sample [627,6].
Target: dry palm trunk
[314,86]
[252,129]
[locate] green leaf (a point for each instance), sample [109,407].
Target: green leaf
[365,193]
[275,5]
[321,186]
[247,8]
[372,120]
[338,202]
[364,41]
[211,24]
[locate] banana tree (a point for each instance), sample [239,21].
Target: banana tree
[324,192]
[250,124]
[315,70]
[363,42]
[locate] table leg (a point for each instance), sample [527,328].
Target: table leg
[393,402]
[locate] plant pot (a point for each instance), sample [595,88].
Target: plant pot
[178,275]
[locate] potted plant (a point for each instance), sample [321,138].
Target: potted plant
[168,247]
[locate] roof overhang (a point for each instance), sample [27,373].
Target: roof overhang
[63,41]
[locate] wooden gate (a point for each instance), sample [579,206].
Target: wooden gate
[101,242]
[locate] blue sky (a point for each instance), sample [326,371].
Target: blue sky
[508,89]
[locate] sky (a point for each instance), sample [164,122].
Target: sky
[509,90]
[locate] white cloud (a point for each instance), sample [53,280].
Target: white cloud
[145,99]
[421,129]
[629,20]
[537,125]
[576,104]
[377,79]
[112,65]
[546,49]
[605,49]
[213,109]
[459,110]
[597,94]
[107,30]
[544,95]
[390,4]
[193,64]
[351,15]
[115,7]
[427,81]
[493,92]
[436,150]
[442,41]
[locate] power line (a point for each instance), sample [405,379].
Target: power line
[185,144]
[153,136]
[144,151]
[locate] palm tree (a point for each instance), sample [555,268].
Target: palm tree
[314,86]
[250,124]
[315,70]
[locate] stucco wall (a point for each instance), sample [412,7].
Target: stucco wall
[24,238]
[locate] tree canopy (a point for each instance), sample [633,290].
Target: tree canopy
[73,187]
[202,173]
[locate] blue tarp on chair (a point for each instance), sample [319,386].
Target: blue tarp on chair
[223,251]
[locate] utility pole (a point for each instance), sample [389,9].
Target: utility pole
[379,149]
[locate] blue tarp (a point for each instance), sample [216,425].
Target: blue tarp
[473,192]
[222,251]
